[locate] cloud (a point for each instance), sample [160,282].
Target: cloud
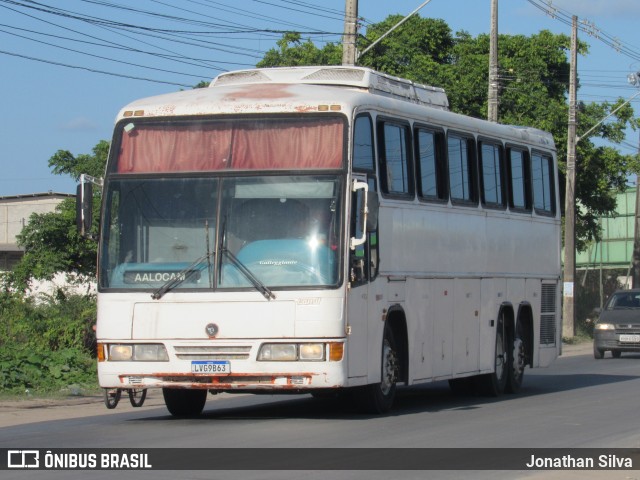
[78,124]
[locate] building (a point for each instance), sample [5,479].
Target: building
[615,249]
[15,212]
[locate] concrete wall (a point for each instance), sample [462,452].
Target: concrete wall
[14,215]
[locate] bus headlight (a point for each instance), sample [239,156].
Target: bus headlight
[291,352]
[278,352]
[139,352]
[312,351]
[120,353]
[152,352]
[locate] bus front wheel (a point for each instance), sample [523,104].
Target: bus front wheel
[493,384]
[378,398]
[183,402]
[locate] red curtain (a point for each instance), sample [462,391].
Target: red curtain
[250,145]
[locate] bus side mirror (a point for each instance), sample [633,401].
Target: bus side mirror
[84,208]
[364,213]
[373,203]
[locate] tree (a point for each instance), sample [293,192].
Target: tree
[51,241]
[292,51]
[534,74]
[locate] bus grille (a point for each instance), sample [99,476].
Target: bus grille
[213,352]
[548,314]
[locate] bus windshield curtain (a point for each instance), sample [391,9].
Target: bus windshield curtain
[248,145]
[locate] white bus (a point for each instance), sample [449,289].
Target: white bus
[322,230]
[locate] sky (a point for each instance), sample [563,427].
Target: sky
[68,66]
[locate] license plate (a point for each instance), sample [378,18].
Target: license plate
[210,366]
[630,338]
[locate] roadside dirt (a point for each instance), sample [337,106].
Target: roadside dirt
[18,412]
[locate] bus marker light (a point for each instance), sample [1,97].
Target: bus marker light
[336,351]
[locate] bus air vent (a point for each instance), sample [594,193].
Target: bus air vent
[548,314]
[337,74]
[239,78]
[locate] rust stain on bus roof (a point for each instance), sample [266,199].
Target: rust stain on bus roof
[261,91]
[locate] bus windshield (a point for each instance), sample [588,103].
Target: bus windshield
[221,233]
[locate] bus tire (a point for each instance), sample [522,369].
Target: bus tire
[494,384]
[184,403]
[517,361]
[377,398]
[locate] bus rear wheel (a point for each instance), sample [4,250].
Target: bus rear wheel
[183,402]
[378,398]
[517,361]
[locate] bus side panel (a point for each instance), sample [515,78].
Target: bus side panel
[466,327]
[420,303]
[442,340]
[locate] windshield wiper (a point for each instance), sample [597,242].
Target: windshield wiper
[181,276]
[261,287]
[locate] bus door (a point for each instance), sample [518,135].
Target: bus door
[363,267]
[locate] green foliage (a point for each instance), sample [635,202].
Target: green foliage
[22,369]
[292,51]
[417,50]
[52,244]
[46,346]
[51,240]
[64,162]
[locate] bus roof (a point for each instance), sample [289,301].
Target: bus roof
[359,77]
[332,89]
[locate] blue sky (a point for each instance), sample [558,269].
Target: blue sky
[67,68]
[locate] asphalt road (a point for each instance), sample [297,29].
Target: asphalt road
[578,402]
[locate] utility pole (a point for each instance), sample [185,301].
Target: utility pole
[568,312]
[350,32]
[492,114]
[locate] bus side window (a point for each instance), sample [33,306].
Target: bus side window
[363,159]
[396,173]
[492,175]
[544,200]
[519,184]
[431,166]
[462,170]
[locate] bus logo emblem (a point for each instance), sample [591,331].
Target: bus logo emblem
[211,329]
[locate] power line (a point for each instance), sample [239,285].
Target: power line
[93,70]
[589,28]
